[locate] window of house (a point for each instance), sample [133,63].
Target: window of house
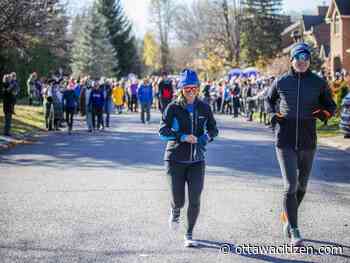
[337,24]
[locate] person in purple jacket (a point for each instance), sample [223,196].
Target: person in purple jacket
[96,103]
[133,92]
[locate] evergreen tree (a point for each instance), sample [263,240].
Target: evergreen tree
[120,30]
[262,27]
[92,52]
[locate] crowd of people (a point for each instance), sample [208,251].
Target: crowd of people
[63,97]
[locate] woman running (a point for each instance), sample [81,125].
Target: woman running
[188,125]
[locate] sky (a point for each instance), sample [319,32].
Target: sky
[137,10]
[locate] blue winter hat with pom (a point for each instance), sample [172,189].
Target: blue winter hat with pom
[188,77]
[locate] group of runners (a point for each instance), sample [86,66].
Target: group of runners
[295,100]
[291,103]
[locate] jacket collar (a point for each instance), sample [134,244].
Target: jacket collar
[183,105]
[297,74]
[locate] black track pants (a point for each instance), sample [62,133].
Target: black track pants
[193,174]
[295,168]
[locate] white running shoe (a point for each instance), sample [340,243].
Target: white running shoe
[189,241]
[174,219]
[296,239]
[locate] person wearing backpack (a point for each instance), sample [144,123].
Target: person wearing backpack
[165,89]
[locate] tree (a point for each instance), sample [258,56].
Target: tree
[121,37]
[162,16]
[23,20]
[92,52]
[263,25]
[214,26]
[151,52]
[33,37]
[230,25]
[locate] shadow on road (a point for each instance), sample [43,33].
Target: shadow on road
[232,249]
[242,157]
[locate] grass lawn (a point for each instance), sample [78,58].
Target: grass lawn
[27,119]
[332,129]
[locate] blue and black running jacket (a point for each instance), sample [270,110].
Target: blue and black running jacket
[177,121]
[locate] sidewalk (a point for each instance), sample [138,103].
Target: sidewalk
[336,142]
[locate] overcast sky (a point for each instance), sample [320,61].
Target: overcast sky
[137,9]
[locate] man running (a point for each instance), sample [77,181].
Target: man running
[302,97]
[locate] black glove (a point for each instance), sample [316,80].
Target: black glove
[277,118]
[322,115]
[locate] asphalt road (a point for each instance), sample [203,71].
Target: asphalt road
[104,197]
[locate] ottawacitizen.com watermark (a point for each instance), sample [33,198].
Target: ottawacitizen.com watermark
[250,249]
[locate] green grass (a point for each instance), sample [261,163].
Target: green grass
[331,130]
[28,119]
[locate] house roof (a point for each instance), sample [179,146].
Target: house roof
[291,28]
[310,21]
[343,6]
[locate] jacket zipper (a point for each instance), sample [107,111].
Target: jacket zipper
[194,132]
[297,119]
[191,121]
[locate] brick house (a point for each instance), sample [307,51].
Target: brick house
[338,16]
[311,28]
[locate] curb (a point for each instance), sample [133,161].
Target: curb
[11,142]
[334,144]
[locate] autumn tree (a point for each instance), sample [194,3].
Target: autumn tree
[151,52]
[162,17]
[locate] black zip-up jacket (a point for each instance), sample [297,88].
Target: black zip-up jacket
[299,95]
[177,121]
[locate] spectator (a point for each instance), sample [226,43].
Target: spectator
[10,92]
[145,96]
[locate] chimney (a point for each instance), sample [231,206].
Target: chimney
[322,10]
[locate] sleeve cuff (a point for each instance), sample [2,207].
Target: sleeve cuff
[183,138]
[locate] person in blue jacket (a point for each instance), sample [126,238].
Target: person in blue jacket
[145,97]
[296,100]
[96,104]
[187,125]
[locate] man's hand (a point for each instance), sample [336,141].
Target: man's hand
[322,115]
[277,118]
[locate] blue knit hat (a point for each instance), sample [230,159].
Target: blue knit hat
[188,77]
[300,48]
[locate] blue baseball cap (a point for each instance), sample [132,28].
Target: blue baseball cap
[300,48]
[188,77]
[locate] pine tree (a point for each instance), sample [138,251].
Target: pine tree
[92,52]
[120,30]
[263,25]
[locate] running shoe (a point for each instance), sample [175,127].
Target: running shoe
[285,224]
[174,219]
[189,241]
[296,239]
